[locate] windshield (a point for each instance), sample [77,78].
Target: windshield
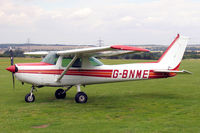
[51,58]
[95,62]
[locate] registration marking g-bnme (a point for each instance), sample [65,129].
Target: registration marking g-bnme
[131,74]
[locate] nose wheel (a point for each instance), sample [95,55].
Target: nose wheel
[29,98]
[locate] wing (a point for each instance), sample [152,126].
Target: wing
[103,51]
[95,51]
[37,53]
[112,53]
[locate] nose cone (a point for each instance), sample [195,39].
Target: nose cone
[11,68]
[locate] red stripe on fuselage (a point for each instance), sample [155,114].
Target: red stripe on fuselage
[34,64]
[153,75]
[77,72]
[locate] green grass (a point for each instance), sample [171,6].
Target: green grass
[161,105]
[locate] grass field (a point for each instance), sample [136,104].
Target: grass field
[162,105]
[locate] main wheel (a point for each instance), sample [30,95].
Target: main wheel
[60,94]
[29,98]
[81,97]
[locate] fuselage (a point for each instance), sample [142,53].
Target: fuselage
[45,74]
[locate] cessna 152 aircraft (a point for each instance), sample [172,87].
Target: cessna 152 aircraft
[79,67]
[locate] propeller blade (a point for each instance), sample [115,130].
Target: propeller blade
[11,56]
[13,79]
[12,63]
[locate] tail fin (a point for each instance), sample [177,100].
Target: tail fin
[172,57]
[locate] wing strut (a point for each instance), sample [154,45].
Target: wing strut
[67,68]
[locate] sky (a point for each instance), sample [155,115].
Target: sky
[86,21]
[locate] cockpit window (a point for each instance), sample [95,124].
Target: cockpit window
[94,62]
[51,58]
[77,63]
[67,60]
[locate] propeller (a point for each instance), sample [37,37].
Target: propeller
[12,63]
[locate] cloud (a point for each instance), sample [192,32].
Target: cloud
[82,13]
[84,22]
[127,19]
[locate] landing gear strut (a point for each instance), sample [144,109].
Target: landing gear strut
[29,98]
[80,97]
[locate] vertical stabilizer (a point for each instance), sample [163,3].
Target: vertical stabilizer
[172,57]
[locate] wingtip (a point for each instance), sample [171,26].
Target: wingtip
[130,48]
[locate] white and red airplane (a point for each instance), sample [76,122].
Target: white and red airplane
[79,68]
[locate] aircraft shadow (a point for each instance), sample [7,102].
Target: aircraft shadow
[115,99]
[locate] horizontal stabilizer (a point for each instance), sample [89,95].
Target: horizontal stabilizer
[173,71]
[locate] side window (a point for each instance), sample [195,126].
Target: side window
[94,62]
[67,60]
[77,63]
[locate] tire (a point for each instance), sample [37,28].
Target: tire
[60,94]
[29,99]
[81,97]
